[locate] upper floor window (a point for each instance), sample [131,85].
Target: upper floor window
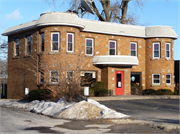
[54,76]
[157,79]
[156,50]
[112,47]
[133,49]
[70,42]
[42,42]
[55,42]
[28,47]
[168,78]
[42,76]
[168,50]
[16,47]
[89,46]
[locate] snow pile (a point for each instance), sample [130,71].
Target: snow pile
[62,109]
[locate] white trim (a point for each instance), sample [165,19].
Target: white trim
[57,76]
[72,42]
[168,79]
[88,46]
[109,46]
[169,51]
[135,47]
[52,40]
[159,79]
[159,50]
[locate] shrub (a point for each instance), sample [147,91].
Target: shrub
[136,89]
[91,92]
[176,89]
[100,89]
[40,94]
[164,92]
[149,92]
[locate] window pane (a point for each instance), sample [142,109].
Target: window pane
[17,50]
[156,46]
[17,41]
[156,81]
[133,53]
[156,53]
[112,45]
[167,46]
[55,46]
[69,37]
[69,46]
[156,76]
[88,42]
[42,42]
[112,52]
[88,50]
[55,37]
[168,81]
[28,50]
[168,76]
[133,46]
[167,53]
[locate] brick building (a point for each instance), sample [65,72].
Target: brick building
[116,54]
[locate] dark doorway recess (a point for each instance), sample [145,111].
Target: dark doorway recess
[135,78]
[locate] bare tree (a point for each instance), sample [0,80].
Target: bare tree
[106,10]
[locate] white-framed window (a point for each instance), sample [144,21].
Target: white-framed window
[133,49]
[168,79]
[42,42]
[112,47]
[55,42]
[70,42]
[28,45]
[89,46]
[69,74]
[156,50]
[17,47]
[168,50]
[54,76]
[156,79]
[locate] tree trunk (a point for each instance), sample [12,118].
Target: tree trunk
[106,7]
[124,11]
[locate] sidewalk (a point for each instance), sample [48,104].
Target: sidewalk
[134,97]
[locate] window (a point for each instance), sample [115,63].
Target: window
[54,42]
[133,49]
[157,79]
[168,79]
[70,42]
[42,42]
[69,74]
[54,76]
[89,46]
[168,52]
[156,50]
[42,77]
[16,47]
[28,47]
[112,47]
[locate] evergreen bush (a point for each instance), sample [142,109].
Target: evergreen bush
[136,89]
[149,92]
[164,92]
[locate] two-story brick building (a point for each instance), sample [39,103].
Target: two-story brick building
[119,54]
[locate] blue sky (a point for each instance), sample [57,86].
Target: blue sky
[154,12]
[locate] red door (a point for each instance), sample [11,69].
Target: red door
[119,82]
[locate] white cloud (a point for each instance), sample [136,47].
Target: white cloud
[14,15]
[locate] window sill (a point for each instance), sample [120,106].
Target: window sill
[89,55]
[27,56]
[169,85]
[169,59]
[73,53]
[54,53]
[156,59]
[16,57]
[155,85]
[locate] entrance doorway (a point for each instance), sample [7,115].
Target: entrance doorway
[119,82]
[3,88]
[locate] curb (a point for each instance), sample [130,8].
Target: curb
[133,98]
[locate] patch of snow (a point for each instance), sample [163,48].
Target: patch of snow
[63,109]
